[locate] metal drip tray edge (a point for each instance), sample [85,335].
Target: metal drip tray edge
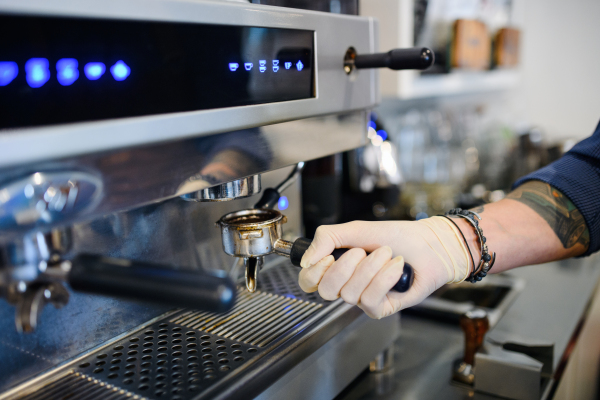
[283,355]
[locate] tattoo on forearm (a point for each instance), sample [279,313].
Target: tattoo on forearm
[478,209]
[557,210]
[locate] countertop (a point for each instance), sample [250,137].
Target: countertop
[550,308]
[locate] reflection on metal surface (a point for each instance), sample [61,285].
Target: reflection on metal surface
[46,198]
[258,318]
[31,303]
[383,361]
[163,171]
[80,386]
[237,189]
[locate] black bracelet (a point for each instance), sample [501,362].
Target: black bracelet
[464,238]
[487,260]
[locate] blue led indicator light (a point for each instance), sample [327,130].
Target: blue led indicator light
[299,65]
[283,203]
[382,134]
[233,66]
[8,71]
[288,65]
[262,65]
[248,66]
[372,124]
[94,70]
[120,71]
[37,72]
[275,65]
[66,71]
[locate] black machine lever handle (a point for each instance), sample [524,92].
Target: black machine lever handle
[419,58]
[301,245]
[150,282]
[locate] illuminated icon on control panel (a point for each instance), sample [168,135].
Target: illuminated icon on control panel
[8,72]
[248,66]
[120,71]
[299,65]
[275,65]
[94,70]
[288,65]
[233,66]
[66,71]
[37,72]
[262,65]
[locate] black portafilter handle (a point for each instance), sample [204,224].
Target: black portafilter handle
[134,280]
[398,59]
[301,245]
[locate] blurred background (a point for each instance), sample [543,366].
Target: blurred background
[514,86]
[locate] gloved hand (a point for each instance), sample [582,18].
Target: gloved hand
[433,246]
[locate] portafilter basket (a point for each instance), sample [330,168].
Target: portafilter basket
[255,233]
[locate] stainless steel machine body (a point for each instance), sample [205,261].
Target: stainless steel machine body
[117,185]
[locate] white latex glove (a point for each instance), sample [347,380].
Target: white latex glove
[432,246]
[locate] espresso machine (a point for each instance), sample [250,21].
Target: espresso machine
[128,128]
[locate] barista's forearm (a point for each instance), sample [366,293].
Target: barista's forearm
[534,224]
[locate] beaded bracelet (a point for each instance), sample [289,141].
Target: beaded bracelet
[487,260]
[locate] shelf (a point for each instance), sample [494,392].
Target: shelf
[458,83]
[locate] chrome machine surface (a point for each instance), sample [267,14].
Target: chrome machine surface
[131,188]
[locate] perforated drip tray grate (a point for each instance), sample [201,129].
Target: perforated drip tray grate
[167,360]
[185,353]
[75,385]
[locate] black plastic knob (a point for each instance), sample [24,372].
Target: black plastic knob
[419,58]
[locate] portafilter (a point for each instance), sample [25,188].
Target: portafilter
[255,233]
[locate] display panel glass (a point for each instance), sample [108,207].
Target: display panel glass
[61,70]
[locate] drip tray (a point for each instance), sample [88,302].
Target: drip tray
[184,354]
[494,294]
[167,361]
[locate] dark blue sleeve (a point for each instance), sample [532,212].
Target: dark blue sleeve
[577,175]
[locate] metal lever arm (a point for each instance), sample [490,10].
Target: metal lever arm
[419,58]
[271,196]
[301,245]
[153,283]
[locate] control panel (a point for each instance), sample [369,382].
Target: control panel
[62,70]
